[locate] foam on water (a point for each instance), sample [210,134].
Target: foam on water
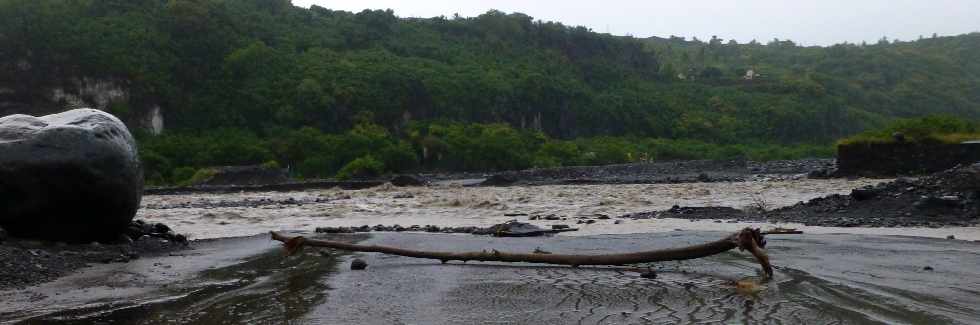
[217,215]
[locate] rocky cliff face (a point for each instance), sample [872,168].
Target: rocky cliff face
[106,94]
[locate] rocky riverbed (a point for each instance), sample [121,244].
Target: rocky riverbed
[948,198]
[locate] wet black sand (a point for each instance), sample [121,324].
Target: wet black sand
[25,263]
[948,198]
[819,279]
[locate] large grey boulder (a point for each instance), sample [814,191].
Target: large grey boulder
[73,176]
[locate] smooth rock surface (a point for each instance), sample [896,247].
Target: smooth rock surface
[73,176]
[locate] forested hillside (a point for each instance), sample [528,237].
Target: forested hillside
[322,91]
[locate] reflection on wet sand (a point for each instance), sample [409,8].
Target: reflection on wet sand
[842,279]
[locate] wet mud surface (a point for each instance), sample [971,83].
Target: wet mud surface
[835,279]
[228,281]
[842,279]
[25,263]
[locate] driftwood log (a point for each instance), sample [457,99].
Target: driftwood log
[752,240]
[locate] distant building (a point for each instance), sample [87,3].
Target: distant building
[750,75]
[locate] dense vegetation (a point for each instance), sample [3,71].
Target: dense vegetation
[327,92]
[929,129]
[368,150]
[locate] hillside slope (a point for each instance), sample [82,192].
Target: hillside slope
[262,76]
[264,63]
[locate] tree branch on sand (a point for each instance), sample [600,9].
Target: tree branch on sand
[748,239]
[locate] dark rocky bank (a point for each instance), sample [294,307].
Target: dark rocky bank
[663,172]
[26,262]
[948,198]
[903,157]
[511,228]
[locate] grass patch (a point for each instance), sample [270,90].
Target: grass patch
[940,129]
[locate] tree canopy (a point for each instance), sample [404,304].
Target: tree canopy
[318,89]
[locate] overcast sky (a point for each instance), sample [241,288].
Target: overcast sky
[810,22]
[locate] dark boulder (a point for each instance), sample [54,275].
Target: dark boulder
[964,178]
[499,180]
[935,203]
[408,180]
[704,178]
[515,228]
[822,173]
[73,176]
[358,264]
[862,194]
[139,229]
[649,274]
[335,230]
[898,137]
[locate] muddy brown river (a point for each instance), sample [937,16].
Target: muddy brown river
[826,276]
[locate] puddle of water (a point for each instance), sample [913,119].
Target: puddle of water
[217,284]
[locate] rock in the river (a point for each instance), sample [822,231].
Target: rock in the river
[649,274]
[965,179]
[932,202]
[862,194]
[408,180]
[499,180]
[73,176]
[823,173]
[358,264]
[514,228]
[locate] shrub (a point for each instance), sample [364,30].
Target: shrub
[182,175]
[271,164]
[366,166]
[399,158]
[200,176]
[934,128]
